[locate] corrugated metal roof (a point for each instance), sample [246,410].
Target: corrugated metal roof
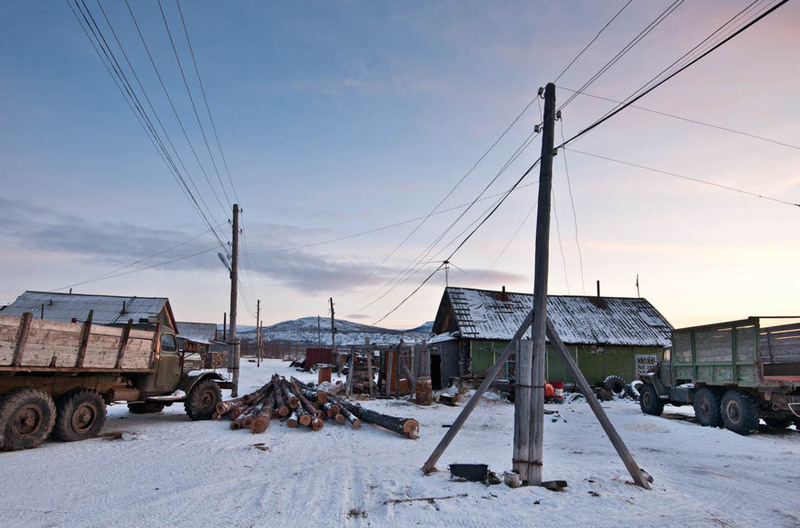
[622,321]
[198,332]
[65,306]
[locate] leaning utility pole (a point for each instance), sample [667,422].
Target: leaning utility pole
[234,297]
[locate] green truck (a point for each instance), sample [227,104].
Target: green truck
[57,377]
[732,373]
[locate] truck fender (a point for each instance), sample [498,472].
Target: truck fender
[653,379]
[193,378]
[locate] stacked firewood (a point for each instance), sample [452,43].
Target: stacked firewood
[299,404]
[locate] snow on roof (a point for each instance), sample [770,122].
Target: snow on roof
[66,306]
[622,321]
[197,332]
[441,338]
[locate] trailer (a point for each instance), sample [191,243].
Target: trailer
[732,373]
[57,377]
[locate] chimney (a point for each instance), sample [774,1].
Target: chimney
[598,288]
[123,307]
[504,295]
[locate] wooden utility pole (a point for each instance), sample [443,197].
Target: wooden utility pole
[333,332]
[258,333]
[234,298]
[542,257]
[319,333]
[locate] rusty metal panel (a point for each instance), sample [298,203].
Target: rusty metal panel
[316,356]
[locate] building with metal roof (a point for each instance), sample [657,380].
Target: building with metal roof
[106,309]
[608,335]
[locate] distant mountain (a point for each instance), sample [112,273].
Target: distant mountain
[305,330]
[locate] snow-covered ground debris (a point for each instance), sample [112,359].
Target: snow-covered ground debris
[175,472]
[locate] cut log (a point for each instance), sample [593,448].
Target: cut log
[290,399]
[292,421]
[261,421]
[408,427]
[283,409]
[349,416]
[310,393]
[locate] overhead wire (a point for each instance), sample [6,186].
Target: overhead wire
[205,100]
[592,41]
[194,107]
[688,178]
[574,210]
[510,240]
[97,40]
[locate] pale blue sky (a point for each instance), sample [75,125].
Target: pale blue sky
[342,117]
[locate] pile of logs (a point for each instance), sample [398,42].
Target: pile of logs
[302,405]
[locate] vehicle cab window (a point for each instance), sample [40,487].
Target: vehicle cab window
[168,343]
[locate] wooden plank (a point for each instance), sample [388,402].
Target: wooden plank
[451,433]
[22,336]
[87,328]
[123,342]
[371,374]
[523,420]
[622,450]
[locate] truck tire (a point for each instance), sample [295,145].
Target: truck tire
[739,412]
[26,418]
[145,408]
[202,400]
[81,414]
[616,385]
[649,400]
[707,407]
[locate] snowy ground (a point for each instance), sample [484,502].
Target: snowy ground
[174,472]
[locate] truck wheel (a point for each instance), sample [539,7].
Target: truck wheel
[145,408]
[707,407]
[616,385]
[202,400]
[649,400]
[26,418]
[739,412]
[81,415]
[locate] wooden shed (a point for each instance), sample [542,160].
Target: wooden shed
[620,336]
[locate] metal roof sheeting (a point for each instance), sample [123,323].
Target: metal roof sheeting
[67,306]
[621,321]
[198,332]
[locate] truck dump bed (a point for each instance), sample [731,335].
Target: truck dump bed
[737,353]
[35,345]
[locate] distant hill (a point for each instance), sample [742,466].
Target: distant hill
[304,330]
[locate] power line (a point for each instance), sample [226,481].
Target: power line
[574,211]
[194,107]
[116,71]
[688,120]
[628,47]
[205,99]
[558,235]
[592,41]
[644,90]
[689,178]
[510,240]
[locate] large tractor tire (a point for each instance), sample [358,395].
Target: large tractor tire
[707,407]
[739,412]
[202,400]
[145,408]
[616,385]
[81,415]
[27,416]
[649,400]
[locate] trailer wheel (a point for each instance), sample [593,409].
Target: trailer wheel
[707,408]
[739,412]
[649,400]
[202,400]
[26,418]
[81,415]
[145,408]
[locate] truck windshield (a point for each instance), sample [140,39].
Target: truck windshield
[168,343]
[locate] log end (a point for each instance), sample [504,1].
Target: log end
[291,422]
[247,421]
[283,411]
[411,428]
[316,424]
[356,424]
[322,397]
[259,425]
[340,418]
[305,420]
[236,413]
[236,425]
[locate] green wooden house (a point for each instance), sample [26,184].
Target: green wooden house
[607,335]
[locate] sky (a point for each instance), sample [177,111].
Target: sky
[344,125]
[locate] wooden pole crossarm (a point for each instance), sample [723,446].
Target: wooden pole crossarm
[473,402]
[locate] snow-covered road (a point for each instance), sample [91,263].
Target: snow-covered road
[175,472]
